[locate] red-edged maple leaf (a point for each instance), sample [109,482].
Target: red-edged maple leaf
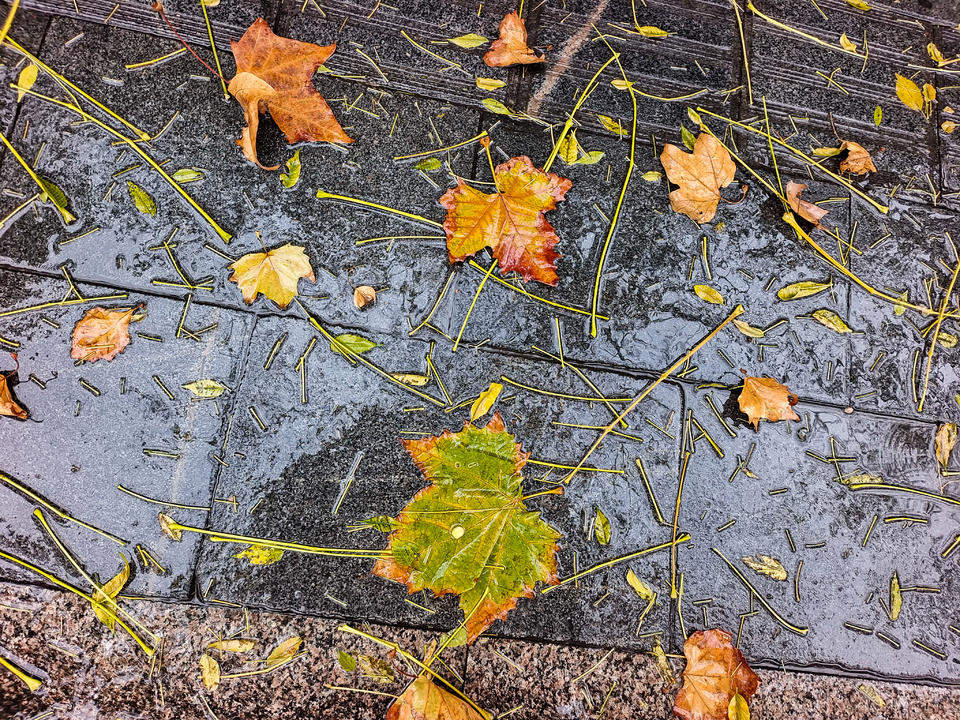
[276,74]
[765,399]
[510,222]
[8,403]
[469,532]
[511,47]
[715,672]
[101,333]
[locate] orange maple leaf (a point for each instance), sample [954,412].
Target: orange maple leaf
[424,700]
[510,222]
[765,399]
[101,333]
[511,47]
[698,176]
[8,404]
[276,73]
[715,672]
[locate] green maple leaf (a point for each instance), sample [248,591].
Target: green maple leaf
[469,533]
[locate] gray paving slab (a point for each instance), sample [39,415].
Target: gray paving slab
[649,275]
[850,543]
[303,458]
[96,425]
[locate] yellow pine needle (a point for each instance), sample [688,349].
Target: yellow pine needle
[443,149]
[323,195]
[68,217]
[9,21]
[530,296]
[216,536]
[148,63]
[213,47]
[31,682]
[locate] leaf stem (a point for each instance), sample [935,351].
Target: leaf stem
[31,682]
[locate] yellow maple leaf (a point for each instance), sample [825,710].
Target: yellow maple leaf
[274,274]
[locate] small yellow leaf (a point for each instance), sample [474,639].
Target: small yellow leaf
[948,126]
[909,93]
[488,84]
[168,527]
[25,80]
[896,596]
[738,708]
[642,589]
[847,44]
[858,4]
[708,294]
[934,52]
[484,402]
[601,528]
[827,151]
[568,149]
[652,176]
[412,379]
[495,106]
[142,199]
[260,554]
[612,125]
[209,672]
[929,92]
[102,607]
[651,32]
[237,645]
[206,389]
[947,340]
[468,41]
[621,84]
[766,565]
[831,320]
[663,663]
[871,692]
[748,329]
[284,652]
[877,115]
[590,158]
[899,308]
[945,440]
[802,290]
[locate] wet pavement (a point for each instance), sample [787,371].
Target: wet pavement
[303,444]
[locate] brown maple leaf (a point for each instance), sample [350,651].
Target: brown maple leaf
[101,333]
[8,404]
[511,47]
[765,399]
[424,700]
[510,222]
[715,672]
[275,274]
[858,160]
[699,176]
[276,74]
[805,209]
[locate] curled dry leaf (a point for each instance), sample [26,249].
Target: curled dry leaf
[511,47]
[485,400]
[364,295]
[8,403]
[946,439]
[424,700]
[284,652]
[766,565]
[640,587]
[699,176]
[715,672]
[765,399]
[168,527]
[858,160]
[510,222]
[101,334]
[805,209]
[275,274]
[663,663]
[432,545]
[276,74]
[209,672]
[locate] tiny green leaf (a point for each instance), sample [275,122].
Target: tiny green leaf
[292,175]
[590,158]
[205,388]
[495,106]
[346,660]
[187,175]
[348,343]
[612,125]
[468,41]
[688,138]
[877,115]
[601,528]
[142,199]
[430,164]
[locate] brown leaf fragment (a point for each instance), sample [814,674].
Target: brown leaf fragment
[364,295]
[858,160]
[511,47]
[946,439]
[765,399]
[8,404]
[699,176]
[209,672]
[715,672]
[101,334]
[766,565]
[805,209]
[276,74]
[424,700]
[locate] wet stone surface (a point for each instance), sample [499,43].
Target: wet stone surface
[304,445]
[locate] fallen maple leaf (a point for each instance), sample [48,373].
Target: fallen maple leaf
[510,222]
[511,47]
[8,404]
[101,333]
[715,672]
[423,700]
[766,399]
[858,160]
[469,532]
[805,209]
[699,176]
[276,73]
[275,274]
